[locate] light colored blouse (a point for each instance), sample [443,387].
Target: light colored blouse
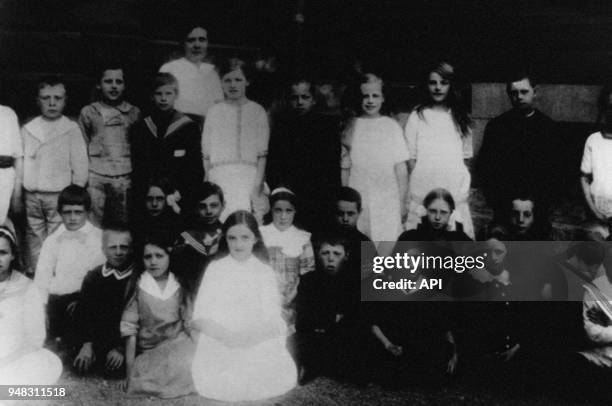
[235,134]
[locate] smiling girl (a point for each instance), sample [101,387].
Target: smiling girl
[235,141]
[440,139]
[241,353]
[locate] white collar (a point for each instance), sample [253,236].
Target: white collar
[108,271]
[36,128]
[150,285]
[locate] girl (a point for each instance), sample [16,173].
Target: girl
[235,142]
[241,352]
[158,216]
[439,139]
[437,223]
[158,349]
[376,165]
[289,249]
[22,324]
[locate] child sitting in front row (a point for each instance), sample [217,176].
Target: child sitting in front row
[105,124]
[158,349]
[65,258]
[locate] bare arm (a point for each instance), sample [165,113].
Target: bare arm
[130,355]
[396,350]
[260,175]
[16,201]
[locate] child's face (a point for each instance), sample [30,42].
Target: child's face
[371,99]
[522,95]
[74,216]
[332,257]
[438,87]
[496,255]
[210,209]
[438,214]
[347,213]
[155,202]
[300,99]
[283,214]
[156,261]
[117,248]
[522,215]
[6,258]
[51,101]
[164,97]
[234,85]
[240,241]
[196,44]
[112,85]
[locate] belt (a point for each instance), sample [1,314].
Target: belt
[6,161]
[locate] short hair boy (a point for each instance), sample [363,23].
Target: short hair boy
[66,256]
[103,296]
[105,124]
[197,245]
[167,144]
[55,156]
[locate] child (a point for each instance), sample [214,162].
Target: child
[437,223]
[439,139]
[596,170]
[11,163]
[23,361]
[198,244]
[66,256]
[55,156]
[289,249]
[241,353]
[325,310]
[156,216]
[158,349]
[360,248]
[235,141]
[166,144]
[304,150]
[377,167]
[105,124]
[104,294]
[198,82]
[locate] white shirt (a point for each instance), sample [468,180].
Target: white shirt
[66,257]
[596,161]
[600,336]
[10,137]
[199,85]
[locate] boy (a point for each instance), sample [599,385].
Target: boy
[103,296]
[520,151]
[325,308]
[198,82]
[167,144]
[11,163]
[66,256]
[55,156]
[198,244]
[105,124]
[348,209]
[303,155]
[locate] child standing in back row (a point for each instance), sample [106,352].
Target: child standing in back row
[105,125]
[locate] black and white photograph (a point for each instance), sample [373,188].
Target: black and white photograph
[305,202]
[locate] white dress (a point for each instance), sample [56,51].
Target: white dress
[234,138]
[377,146]
[439,149]
[596,161]
[238,296]
[23,361]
